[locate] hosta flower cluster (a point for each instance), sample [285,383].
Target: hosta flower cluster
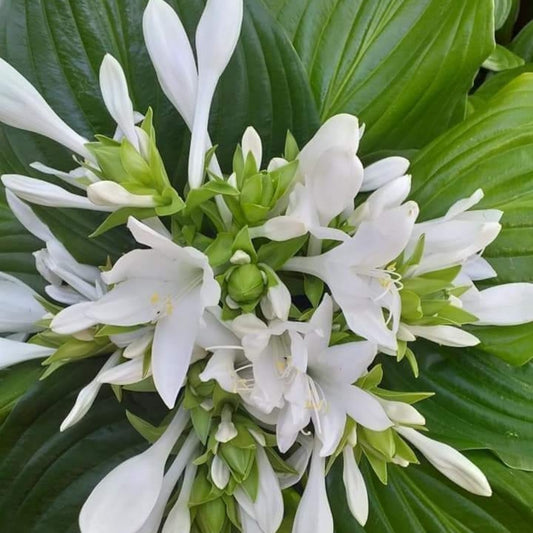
[255,303]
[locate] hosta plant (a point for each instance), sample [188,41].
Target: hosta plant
[266,266]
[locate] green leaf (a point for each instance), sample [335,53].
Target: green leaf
[491,149]
[14,382]
[502,59]
[59,46]
[403,66]
[513,344]
[502,10]
[480,401]
[276,254]
[419,499]
[523,43]
[47,475]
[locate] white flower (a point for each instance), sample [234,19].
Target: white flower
[87,395]
[181,463]
[14,352]
[116,96]
[449,462]
[298,461]
[308,380]
[124,499]
[226,429]
[216,38]
[383,172]
[47,194]
[444,335]
[357,273]
[267,509]
[354,483]
[314,512]
[457,236]
[179,517]
[111,194]
[172,57]
[505,305]
[166,284]
[127,373]
[20,309]
[402,413]
[251,144]
[21,106]
[277,301]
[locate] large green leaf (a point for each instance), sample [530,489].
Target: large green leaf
[420,500]
[492,149]
[59,44]
[404,66]
[47,475]
[480,402]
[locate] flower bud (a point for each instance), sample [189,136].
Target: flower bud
[246,284]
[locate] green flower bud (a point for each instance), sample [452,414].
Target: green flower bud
[246,284]
[211,517]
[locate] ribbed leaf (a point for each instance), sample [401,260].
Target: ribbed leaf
[47,475]
[59,44]
[404,66]
[480,402]
[420,500]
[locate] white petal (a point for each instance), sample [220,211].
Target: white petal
[354,483]
[87,395]
[77,177]
[126,373]
[124,499]
[267,509]
[298,461]
[251,144]
[282,228]
[173,344]
[109,193]
[220,473]
[340,131]
[334,183]
[477,269]
[179,518]
[445,335]
[43,193]
[384,171]
[20,309]
[73,319]
[139,346]
[116,96]
[172,57]
[182,461]
[279,300]
[216,38]
[505,305]
[28,218]
[449,462]
[221,368]
[21,106]
[402,413]
[314,513]
[465,204]
[14,352]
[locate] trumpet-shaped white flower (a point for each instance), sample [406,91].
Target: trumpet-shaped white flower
[267,509]
[354,483]
[384,171]
[181,463]
[47,194]
[314,512]
[457,236]
[20,309]
[179,518]
[87,396]
[116,96]
[70,281]
[308,380]
[124,499]
[112,194]
[359,275]
[22,107]
[444,335]
[449,462]
[505,305]
[13,352]
[168,285]
[217,35]
[252,144]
